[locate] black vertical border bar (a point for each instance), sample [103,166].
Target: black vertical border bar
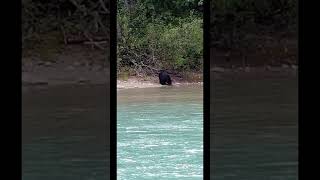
[206,90]
[18,113]
[12,94]
[300,124]
[113,89]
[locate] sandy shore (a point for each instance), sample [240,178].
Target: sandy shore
[39,73]
[82,65]
[136,83]
[216,73]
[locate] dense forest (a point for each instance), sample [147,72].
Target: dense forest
[160,34]
[163,34]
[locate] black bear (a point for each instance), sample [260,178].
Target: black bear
[164,78]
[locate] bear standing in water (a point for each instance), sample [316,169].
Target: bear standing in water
[164,78]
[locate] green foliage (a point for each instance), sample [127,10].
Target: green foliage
[181,46]
[159,34]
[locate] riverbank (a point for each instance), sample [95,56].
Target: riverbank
[78,74]
[39,73]
[152,82]
[216,73]
[77,65]
[74,64]
[60,73]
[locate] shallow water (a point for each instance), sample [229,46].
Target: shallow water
[254,132]
[65,133]
[254,129]
[160,133]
